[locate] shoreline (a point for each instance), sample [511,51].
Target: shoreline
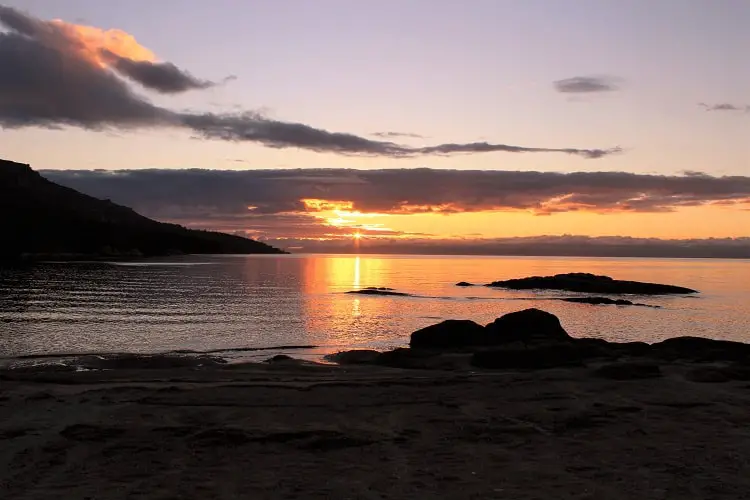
[279,430]
[514,409]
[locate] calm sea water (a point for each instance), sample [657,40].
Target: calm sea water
[232,303]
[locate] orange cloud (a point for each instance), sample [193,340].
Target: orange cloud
[318,205]
[90,43]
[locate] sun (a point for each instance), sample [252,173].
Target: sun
[357,236]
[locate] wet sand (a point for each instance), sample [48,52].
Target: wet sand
[291,431]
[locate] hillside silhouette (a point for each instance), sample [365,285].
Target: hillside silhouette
[41,218]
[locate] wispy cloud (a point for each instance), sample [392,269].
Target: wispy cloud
[587,84]
[396,135]
[725,106]
[94,92]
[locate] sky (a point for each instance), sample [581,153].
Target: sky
[543,117]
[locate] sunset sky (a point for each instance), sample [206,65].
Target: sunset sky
[299,121]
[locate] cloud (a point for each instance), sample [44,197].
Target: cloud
[161,77]
[220,199]
[725,106]
[553,245]
[56,74]
[586,85]
[396,135]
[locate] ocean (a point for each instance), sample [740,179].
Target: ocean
[236,306]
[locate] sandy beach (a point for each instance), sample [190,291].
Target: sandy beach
[292,430]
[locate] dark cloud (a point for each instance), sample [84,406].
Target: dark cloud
[53,75]
[161,77]
[246,199]
[724,107]
[396,135]
[586,84]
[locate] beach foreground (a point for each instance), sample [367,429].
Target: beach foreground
[295,430]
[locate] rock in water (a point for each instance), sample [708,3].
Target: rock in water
[590,283]
[464,283]
[372,290]
[452,333]
[354,357]
[529,325]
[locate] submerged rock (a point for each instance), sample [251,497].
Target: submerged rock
[373,290]
[589,283]
[464,283]
[604,301]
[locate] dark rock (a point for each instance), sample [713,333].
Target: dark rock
[379,291]
[530,359]
[604,301]
[707,375]
[145,361]
[589,283]
[354,357]
[633,349]
[628,371]
[464,283]
[529,325]
[280,358]
[405,358]
[452,333]
[700,349]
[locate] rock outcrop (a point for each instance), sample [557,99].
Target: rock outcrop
[590,283]
[599,301]
[534,339]
[375,290]
[452,333]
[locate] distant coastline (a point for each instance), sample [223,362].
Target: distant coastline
[50,221]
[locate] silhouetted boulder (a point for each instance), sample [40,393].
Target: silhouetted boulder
[529,325]
[464,283]
[589,283]
[628,371]
[528,359]
[700,349]
[353,357]
[452,333]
